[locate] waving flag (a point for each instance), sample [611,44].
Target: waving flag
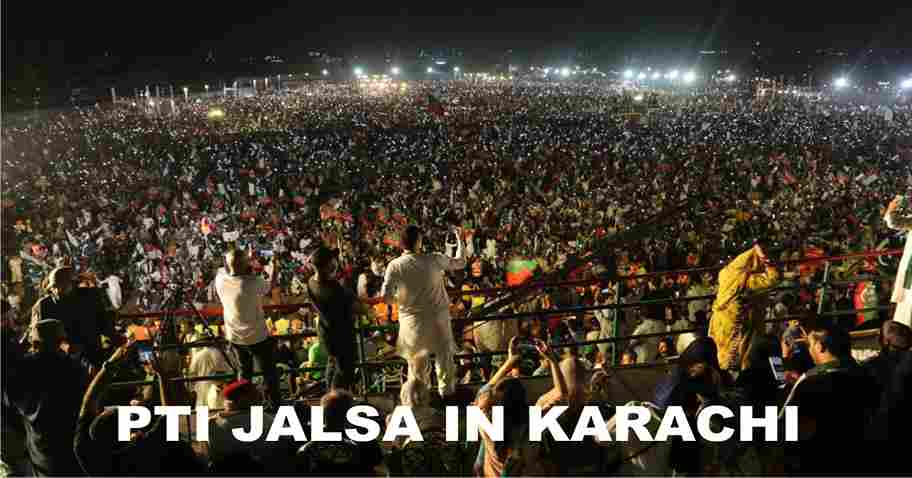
[520,270]
[435,107]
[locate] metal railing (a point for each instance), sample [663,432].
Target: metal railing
[368,364]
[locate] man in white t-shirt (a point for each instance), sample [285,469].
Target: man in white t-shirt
[416,282]
[241,292]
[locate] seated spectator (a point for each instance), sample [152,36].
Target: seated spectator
[99,451]
[831,432]
[45,388]
[629,357]
[240,396]
[666,351]
[205,361]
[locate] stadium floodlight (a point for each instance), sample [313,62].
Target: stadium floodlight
[690,77]
[656,75]
[395,70]
[359,72]
[730,78]
[628,74]
[673,74]
[841,82]
[638,98]
[641,76]
[906,84]
[565,72]
[325,72]
[455,69]
[547,71]
[430,70]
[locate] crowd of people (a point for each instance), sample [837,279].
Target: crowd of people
[185,207]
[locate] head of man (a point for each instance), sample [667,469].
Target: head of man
[61,281]
[325,261]
[237,262]
[412,238]
[827,343]
[895,337]
[336,404]
[50,334]
[378,265]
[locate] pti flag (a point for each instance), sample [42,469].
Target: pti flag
[435,107]
[520,270]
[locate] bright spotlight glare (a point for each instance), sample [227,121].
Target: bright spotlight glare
[730,78]
[325,72]
[673,74]
[430,70]
[656,75]
[628,74]
[456,69]
[906,84]
[690,77]
[565,71]
[395,70]
[641,76]
[359,72]
[841,82]
[638,98]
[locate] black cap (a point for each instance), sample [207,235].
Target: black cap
[323,256]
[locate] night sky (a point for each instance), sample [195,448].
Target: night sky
[166,29]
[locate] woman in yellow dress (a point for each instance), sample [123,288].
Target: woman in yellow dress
[738,308]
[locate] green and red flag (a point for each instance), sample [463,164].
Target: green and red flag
[520,270]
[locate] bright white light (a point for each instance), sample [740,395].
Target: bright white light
[673,74]
[325,72]
[455,69]
[565,71]
[359,72]
[547,70]
[641,76]
[430,70]
[730,78]
[841,82]
[628,74]
[638,98]
[395,70]
[690,77]
[656,75]
[906,84]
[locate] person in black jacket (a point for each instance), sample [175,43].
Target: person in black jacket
[45,388]
[82,312]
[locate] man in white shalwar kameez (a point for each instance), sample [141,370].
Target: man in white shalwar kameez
[902,289]
[416,282]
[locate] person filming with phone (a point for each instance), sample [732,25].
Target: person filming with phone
[241,292]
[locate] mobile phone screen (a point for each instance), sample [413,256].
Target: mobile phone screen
[778,368]
[145,356]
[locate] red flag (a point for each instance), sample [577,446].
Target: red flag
[435,107]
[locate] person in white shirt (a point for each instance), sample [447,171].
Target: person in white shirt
[206,361]
[416,282]
[241,292]
[898,217]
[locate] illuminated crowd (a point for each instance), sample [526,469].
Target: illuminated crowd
[143,199]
